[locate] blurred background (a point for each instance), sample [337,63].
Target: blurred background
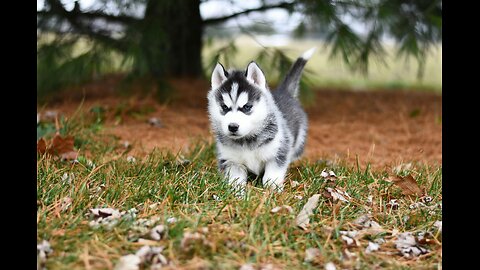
[140,70]
[362,44]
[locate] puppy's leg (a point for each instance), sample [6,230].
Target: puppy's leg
[237,177]
[274,175]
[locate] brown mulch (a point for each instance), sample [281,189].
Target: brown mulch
[383,128]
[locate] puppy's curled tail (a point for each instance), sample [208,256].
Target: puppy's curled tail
[292,79]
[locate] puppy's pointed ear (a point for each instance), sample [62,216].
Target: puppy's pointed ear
[219,75]
[255,75]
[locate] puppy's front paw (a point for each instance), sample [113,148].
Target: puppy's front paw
[274,177]
[273,182]
[237,178]
[274,185]
[239,190]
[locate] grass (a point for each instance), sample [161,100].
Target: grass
[166,185]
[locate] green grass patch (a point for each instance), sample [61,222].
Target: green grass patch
[165,185]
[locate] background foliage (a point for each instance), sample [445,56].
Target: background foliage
[143,38]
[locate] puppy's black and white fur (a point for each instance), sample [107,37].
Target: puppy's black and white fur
[256,129]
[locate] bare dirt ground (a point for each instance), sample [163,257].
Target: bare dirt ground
[383,128]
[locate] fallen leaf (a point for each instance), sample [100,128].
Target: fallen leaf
[269,266]
[62,147]
[109,217]
[282,209]
[158,232]
[43,250]
[41,146]
[438,224]
[72,155]
[349,255]
[349,241]
[151,255]
[337,194]
[155,122]
[370,200]
[182,161]
[361,220]
[351,234]
[67,178]
[90,164]
[126,144]
[190,240]
[372,247]
[329,176]
[128,262]
[303,218]
[105,212]
[171,220]
[311,254]
[367,225]
[393,204]
[130,214]
[408,246]
[143,241]
[407,184]
[417,205]
[65,204]
[402,167]
[44,247]
[379,241]
[330,266]
[426,199]
[247,266]
[146,255]
[49,115]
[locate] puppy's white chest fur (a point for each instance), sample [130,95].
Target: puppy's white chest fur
[253,159]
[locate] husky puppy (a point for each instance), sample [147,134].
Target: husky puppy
[257,130]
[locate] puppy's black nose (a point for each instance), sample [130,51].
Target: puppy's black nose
[233,127]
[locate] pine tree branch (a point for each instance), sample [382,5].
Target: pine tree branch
[127,20]
[74,18]
[285,5]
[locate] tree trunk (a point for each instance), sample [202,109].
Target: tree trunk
[172,38]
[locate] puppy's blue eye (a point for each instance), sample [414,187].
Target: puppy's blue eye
[247,107]
[225,108]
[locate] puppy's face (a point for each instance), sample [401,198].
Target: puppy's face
[237,102]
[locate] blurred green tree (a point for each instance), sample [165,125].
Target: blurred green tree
[164,38]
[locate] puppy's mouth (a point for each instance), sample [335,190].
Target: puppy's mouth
[234,135]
